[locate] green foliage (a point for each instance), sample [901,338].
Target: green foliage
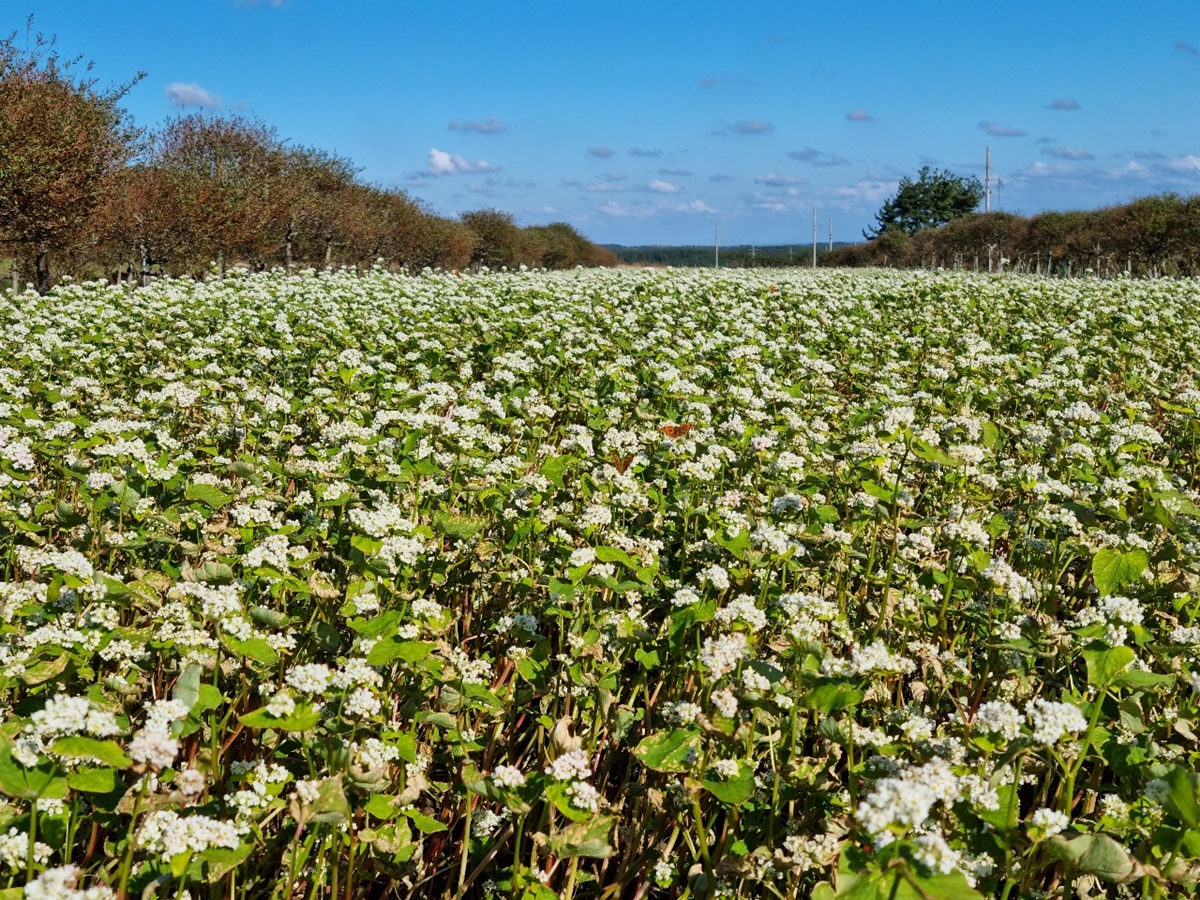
[936,197]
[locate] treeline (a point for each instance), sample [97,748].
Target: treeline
[86,193]
[1151,236]
[743,256]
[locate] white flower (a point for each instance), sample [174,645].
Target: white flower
[1049,821]
[59,884]
[155,748]
[1054,721]
[725,702]
[508,777]
[570,765]
[722,654]
[727,768]
[311,678]
[998,717]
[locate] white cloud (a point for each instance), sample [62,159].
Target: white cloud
[777,180]
[859,115]
[753,126]
[490,125]
[1001,130]
[664,187]
[646,210]
[1187,163]
[870,192]
[1075,153]
[191,94]
[628,210]
[443,163]
[815,157]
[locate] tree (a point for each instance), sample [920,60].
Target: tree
[242,205]
[61,140]
[498,238]
[935,198]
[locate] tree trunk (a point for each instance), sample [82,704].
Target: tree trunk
[328,251]
[15,275]
[43,269]
[145,268]
[287,249]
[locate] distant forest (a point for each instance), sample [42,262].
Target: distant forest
[1151,236]
[740,256]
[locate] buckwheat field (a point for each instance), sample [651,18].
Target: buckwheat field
[600,584]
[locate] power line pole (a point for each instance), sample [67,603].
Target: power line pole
[987,181]
[814,235]
[716,245]
[831,234]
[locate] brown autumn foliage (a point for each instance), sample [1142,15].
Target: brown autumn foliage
[61,141]
[86,194]
[1150,236]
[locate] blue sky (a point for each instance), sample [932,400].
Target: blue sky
[647,122]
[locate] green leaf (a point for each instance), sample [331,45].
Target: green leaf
[213,572]
[66,516]
[1114,569]
[222,860]
[187,686]
[330,806]
[612,554]
[648,659]
[93,781]
[594,839]
[827,698]
[1139,679]
[28,784]
[377,625]
[991,435]
[424,824]
[1006,816]
[386,652]
[1095,854]
[179,863]
[254,648]
[556,793]
[107,752]
[380,806]
[734,791]
[668,751]
[952,886]
[932,454]
[555,467]
[1181,796]
[739,544]
[1104,663]
[213,498]
[125,495]
[368,546]
[456,526]
[303,718]
[45,669]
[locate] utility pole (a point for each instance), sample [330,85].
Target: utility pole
[987,182]
[814,235]
[716,245]
[831,234]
